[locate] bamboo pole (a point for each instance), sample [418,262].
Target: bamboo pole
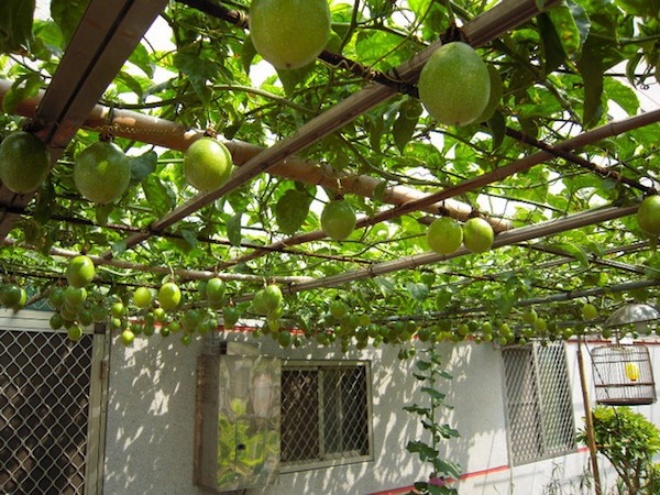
[184,273]
[591,441]
[504,239]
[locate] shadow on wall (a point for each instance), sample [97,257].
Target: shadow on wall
[474,393]
[151,410]
[150,426]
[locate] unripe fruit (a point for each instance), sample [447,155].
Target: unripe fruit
[338,220]
[272,297]
[454,84]
[142,297]
[444,235]
[589,311]
[289,33]
[127,337]
[24,162]
[102,172]
[80,271]
[648,215]
[207,164]
[478,235]
[169,296]
[10,295]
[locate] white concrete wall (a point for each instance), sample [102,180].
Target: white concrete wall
[149,447]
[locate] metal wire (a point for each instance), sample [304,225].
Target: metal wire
[538,402]
[45,384]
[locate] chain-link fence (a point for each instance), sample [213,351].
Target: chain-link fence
[325,415]
[538,402]
[44,399]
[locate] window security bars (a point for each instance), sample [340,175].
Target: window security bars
[326,415]
[538,402]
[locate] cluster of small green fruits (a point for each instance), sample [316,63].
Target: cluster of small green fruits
[142,311]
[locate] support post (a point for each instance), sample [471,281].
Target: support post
[591,441]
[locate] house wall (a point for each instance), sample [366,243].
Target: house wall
[150,425]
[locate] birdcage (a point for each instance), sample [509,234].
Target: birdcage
[623,375]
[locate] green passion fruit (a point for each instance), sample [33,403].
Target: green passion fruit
[648,215]
[444,235]
[207,164]
[289,33]
[454,84]
[102,172]
[24,162]
[338,220]
[478,235]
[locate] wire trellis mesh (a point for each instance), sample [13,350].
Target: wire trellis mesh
[325,414]
[45,384]
[538,402]
[623,375]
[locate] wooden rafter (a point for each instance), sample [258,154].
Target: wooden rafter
[106,36]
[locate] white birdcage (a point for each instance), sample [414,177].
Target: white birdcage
[623,374]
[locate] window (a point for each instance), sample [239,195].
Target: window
[538,402]
[326,414]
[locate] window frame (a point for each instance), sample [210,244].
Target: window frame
[333,458]
[546,444]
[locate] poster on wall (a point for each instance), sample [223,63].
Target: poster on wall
[248,421]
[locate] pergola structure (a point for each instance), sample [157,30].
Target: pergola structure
[555,253]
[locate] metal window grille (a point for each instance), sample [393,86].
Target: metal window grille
[326,415]
[44,399]
[538,402]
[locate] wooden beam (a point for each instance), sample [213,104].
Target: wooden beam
[106,36]
[504,16]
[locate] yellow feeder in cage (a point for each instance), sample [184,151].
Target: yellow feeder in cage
[632,371]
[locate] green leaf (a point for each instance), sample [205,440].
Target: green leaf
[189,236]
[234,229]
[418,291]
[375,127]
[418,447]
[571,24]
[293,77]
[198,69]
[422,411]
[16,18]
[406,122]
[67,15]
[433,393]
[553,50]
[141,58]
[446,467]
[379,191]
[497,128]
[423,365]
[142,166]
[102,213]
[574,251]
[421,486]
[386,285]
[292,209]
[622,95]
[591,69]
[248,52]
[26,86]
[160,197]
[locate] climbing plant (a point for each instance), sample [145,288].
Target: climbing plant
[566,72]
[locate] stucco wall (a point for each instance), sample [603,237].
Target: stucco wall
[149,444]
